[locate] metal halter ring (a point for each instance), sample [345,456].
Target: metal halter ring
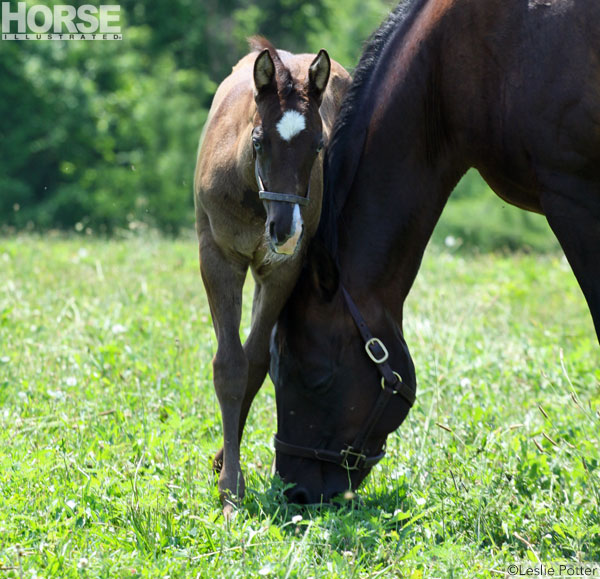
[358,458]
[399,380]
[377,341]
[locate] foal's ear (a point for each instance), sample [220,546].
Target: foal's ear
[264,71]
[318,74]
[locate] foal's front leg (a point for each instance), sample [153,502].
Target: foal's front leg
[224,282]
[270,295]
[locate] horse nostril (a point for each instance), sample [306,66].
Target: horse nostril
[298,495]
[278,237]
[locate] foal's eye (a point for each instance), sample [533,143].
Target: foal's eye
[256,144]
[320,145]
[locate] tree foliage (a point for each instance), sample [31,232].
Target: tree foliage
[103,135]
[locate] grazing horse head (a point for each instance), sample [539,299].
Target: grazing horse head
[334,409]
[287,138]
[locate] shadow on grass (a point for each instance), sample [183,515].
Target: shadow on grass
[367,502]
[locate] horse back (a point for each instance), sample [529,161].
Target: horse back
[527,100]
[222,151]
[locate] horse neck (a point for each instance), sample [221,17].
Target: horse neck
[384,231]
[408,167]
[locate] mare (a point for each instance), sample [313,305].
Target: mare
[258,188]
[510,87]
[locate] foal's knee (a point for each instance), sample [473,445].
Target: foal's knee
[230,372]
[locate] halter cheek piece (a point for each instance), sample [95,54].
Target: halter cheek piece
[353,456]
[271,196]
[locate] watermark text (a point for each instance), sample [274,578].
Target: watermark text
[61,22]
[561,570]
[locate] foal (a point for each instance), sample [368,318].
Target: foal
[258,187]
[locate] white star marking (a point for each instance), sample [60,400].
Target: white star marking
[291,123]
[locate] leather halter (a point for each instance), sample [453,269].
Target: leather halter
[353,456]
[271,196]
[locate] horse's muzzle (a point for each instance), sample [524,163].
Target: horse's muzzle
[285,238]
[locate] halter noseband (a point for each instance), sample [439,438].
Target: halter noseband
[271,196]
[353,456]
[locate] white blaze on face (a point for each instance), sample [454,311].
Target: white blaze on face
[289,247]
[290,124]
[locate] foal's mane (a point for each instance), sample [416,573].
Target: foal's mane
[353,119]
[285,82]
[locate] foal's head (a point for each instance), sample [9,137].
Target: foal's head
[287,138]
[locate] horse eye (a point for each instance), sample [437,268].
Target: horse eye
[256,143]
[320,145]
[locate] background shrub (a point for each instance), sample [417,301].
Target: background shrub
[99,136]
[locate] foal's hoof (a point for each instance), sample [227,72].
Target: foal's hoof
[217,463]
[230,504]
[231,491]
[229,510]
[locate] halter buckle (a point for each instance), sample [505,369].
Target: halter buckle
[378,342]
[358,458]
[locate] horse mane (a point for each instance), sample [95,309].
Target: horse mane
[285,82]
[356,109]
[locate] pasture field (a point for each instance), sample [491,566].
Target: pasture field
[108,423]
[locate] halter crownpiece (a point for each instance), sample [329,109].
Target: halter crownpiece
[272,196]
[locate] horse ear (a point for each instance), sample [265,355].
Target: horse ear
[264,71]
[318,74]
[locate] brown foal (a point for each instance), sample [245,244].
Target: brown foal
[258,188]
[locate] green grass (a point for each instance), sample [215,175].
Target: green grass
[108,423]
[476,219]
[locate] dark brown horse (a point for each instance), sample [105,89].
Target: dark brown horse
[258,188]
[511,87]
